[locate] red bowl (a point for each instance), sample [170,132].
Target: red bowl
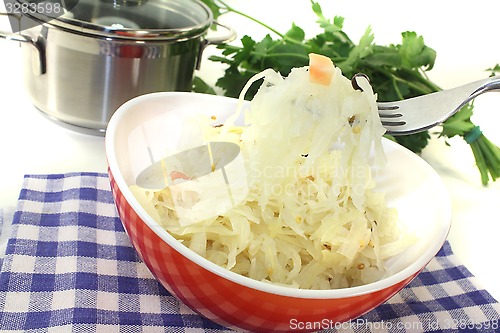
[151,124]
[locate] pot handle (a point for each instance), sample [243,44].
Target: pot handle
[39,64]
[215,40]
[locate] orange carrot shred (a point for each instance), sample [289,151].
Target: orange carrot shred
[321,69]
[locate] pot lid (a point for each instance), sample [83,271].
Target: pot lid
[134,19]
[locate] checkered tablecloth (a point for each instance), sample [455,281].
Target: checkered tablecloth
[69,267]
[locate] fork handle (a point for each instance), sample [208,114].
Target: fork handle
[486,85]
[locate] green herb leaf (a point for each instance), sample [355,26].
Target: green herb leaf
[296,33]
[414,53]
[358,52]
[202,87]
[459,123]
[495,70]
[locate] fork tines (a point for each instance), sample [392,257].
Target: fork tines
[390,118]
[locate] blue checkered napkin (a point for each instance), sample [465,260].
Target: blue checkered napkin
[444,297]
[69,267]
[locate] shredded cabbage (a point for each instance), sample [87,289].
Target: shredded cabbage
[311,218]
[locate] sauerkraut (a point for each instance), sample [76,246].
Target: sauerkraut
[311,218]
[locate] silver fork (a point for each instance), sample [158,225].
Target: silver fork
[420,113]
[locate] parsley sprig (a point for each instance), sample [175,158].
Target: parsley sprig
[396,71]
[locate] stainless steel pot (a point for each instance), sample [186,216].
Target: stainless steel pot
[80,67]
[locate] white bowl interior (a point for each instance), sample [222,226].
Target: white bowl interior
[151,126]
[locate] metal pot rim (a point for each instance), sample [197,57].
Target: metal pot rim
[96,30]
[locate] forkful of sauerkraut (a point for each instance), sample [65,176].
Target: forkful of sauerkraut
[310,217]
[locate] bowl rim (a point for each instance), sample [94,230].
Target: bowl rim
[408,272]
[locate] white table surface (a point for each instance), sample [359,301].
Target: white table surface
[464,34]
